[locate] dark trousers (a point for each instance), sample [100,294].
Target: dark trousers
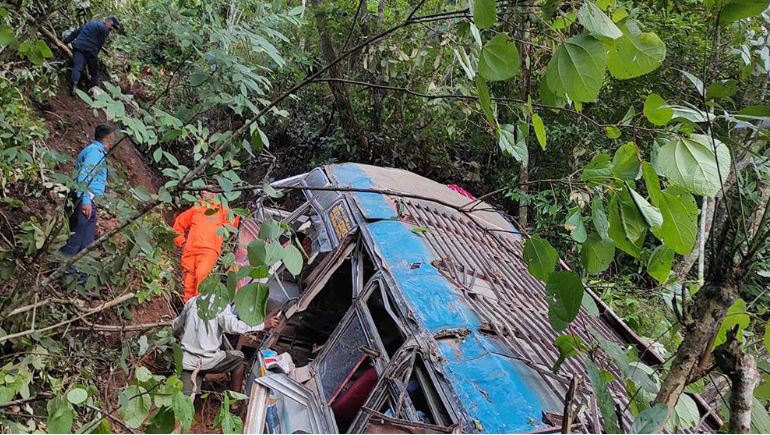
[81,59]
[82,227]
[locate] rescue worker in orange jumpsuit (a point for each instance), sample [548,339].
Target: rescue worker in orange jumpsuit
[202,244]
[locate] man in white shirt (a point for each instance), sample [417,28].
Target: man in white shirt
[202,342]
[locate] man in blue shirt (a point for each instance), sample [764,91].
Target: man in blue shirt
[87,41]
[91,175]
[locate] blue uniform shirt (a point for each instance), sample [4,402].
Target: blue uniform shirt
[91,170]
[90,37]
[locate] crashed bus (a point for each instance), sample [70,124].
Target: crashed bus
[416,314]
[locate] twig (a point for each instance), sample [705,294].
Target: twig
[121,328]
[102,307]
[39,396]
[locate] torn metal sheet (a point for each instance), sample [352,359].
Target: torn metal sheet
[279,404]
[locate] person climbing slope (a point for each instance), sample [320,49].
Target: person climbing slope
[91,175]
[87,42]
[202,244]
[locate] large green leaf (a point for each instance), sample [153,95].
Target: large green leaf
[485,101]
[564,293]
[660,262]
[499,59]
[734,10]
[597,253]
[626,163]
[617,230]
[686,414]
[512,142]
[680,220]
[603,396]
[184,410]
[60,415]
[650,420]
[76,396]
[540,256]
[575,225]
[214,297]
[634,224]
[657,110]
[636,53]
[484,13]
[161,422]
[577,68]
[251,303]
[651,214]
[599,217]
[651,182]
[135,404]
[760,419]
[597,22]
[537,124]
[598,170]
[292,259]
[7,35]
[692,164]
[736,318]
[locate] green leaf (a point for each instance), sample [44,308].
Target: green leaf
[736,317]
[292,259]
[634,224]
[652,183]
[537,124]
[598,170]
[251,303]
[657,110]
[76,396]
[569,346]
[269,230]
[7,36]
[142,374]
[734,10]
[589,304]
[161,422]
[257,252]
[617,230]
[620,357]
[660,263]
[680,220]
[651,215]
[499,59]
[419,230]
[692,164]
[484,13]
[722,89]
[577,68]
[760,419]
[540,257]
[574,224]
[271,192]
[214,297]
[603,396]
[135,404]
[564,293]
[626,164]
[686,414]
[612,132]
[597,22]
[636,53]
[485,100]
[650,420]
[60,415]
[184,410]
[597,253]
[511,141]
[599,217]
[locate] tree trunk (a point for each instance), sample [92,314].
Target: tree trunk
[741,368]
[526,80]
[710,306]
[377,94]
[341,99]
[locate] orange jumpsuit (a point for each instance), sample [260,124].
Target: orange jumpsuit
[202,245]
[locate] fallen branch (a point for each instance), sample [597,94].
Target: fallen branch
[104,306]
[121,328]
[41,396]
[42,303]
